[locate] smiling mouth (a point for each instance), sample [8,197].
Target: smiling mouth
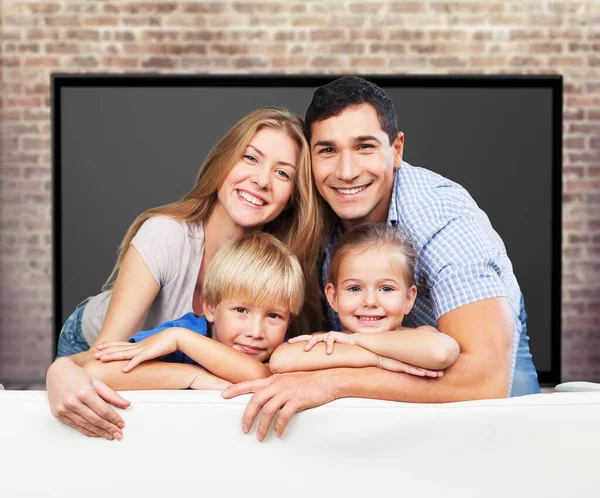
[364,318]
[250,199]
[351,191]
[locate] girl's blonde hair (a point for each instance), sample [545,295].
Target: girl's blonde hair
[299,226]
[258,269]
[369,236]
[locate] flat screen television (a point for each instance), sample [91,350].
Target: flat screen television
[125,143]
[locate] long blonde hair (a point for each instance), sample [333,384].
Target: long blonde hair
[300,226]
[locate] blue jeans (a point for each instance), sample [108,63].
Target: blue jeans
[71,340]
[525,380]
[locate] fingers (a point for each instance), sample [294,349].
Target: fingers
[86,432]
[312,341]
[300,338]
[269,410]
[330,341]
[117,353]
[256,403]
[137,359]
[85,414]
[246,387]
[285,414]
[110,396]
[109,344]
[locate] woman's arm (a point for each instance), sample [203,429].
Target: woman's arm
[133,294]
[154,375]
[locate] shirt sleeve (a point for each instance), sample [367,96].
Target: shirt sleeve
[460,265]
[160,241]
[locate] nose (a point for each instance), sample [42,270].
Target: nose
[255,328]
[262,177]
[370,299]
[347,168]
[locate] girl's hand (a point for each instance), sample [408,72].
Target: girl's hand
[397,366]
[151,348]
[327,337]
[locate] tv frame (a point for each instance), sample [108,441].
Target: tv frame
[554,82]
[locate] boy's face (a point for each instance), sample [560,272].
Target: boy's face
[371,294]
[254,330]
[353,164]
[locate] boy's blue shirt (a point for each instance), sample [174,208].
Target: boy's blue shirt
[189,321]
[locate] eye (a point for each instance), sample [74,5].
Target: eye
[275,316]
[283,174]
[250,158]
[387,288]
[327,150]
[239,309]
[365,146]
[354,288]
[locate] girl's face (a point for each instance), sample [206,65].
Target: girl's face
[371,294]
[261,183]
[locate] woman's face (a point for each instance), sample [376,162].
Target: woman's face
[261,183]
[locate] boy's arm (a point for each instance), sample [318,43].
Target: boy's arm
[153,375]
[423,347]
[223,361]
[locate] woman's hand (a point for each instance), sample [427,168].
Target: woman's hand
[154,347]
[398,366]
[80,401]
[327,337]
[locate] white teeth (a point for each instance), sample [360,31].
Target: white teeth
[354,190]
[370,318]
[251,198]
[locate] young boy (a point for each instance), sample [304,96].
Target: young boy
[252,288]
[371,287]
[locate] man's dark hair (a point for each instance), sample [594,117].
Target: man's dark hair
[333,98]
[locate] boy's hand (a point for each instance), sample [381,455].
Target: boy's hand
[157,346]
[397,366]
[327,337]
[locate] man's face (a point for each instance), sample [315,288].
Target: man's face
[354,164]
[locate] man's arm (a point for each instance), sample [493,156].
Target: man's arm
[484,332]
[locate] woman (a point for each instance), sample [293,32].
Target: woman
[257,177]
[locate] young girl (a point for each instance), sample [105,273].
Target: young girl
[371,287]
[252,288]
[257,177]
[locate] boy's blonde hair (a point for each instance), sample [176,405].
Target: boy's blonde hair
[257,268]
[373,235]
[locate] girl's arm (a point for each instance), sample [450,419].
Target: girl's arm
[154,375]
[223,361]
[423,347]
[423,351]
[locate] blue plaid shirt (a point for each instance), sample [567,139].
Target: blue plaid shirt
[461,257]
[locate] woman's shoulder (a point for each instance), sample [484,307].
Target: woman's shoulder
[162,225]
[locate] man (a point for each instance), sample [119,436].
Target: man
[467,288]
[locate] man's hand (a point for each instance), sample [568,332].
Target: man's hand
[329,338]
[79,400]
[284,393]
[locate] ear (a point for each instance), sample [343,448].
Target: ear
[411,295]
[398,145]
[209,312]
[331,296]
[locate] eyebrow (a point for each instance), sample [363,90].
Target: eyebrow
[261,154]
[359,139]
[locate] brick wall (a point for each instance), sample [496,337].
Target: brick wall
[514,36]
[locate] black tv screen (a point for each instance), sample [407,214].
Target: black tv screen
[125,143]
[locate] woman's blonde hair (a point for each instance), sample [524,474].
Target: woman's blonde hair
[258,269]
[299,226]
[369,236]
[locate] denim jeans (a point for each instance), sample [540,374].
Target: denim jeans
[71,340]
[525,380]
